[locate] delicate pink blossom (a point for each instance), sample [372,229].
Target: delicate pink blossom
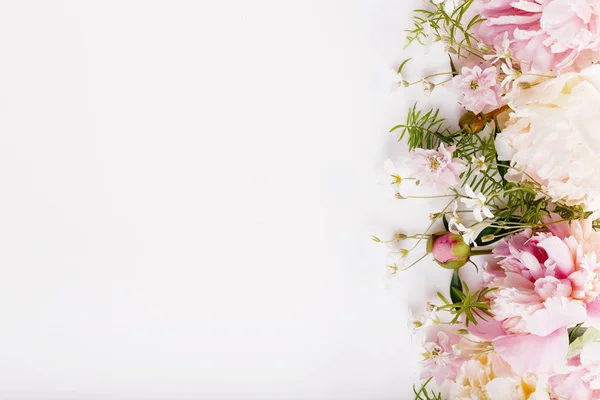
[442,353]
[480,88]
[544,35]
[437,167]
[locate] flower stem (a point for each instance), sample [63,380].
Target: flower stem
[480,252]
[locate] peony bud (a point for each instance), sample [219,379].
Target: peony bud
[449,250]
[471,123]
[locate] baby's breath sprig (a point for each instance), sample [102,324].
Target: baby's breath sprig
[449,27]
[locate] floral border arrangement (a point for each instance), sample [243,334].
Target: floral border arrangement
[520,177]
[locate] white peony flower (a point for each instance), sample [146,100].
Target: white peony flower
[553,137]
[488,376]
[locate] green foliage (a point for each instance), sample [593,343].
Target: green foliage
[455,286]
[475,145]
[472,305]
[424,130]
[425,394]
[492,234]
[576,332]
[450,27]
[589,335]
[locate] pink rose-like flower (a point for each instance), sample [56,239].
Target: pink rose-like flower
[442,356]
[544,35]
[449,250]
[480,88]
[547,281]
[437,167]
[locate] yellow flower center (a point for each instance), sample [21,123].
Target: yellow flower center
[434,163]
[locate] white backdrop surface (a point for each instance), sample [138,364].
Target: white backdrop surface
[188,189]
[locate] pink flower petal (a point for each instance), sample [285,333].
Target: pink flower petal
[558,312]
[487,330]
[531,353]
[559,252]
[593,312]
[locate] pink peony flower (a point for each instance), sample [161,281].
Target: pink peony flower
[442,357]
[480,88]
[582,379]
[546,282]
[437,167]
[544,35]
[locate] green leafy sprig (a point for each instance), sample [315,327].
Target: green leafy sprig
[473,306]
[425,394]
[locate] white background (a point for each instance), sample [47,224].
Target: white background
[187,192]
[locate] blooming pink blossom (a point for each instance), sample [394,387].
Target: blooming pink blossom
[480,88]
[437,167]
[442,357]
[544,35]
[581,380]
[546,281]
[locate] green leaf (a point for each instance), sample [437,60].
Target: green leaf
[454,70]
[576,332]
[497,233]
[590,335]
[503,167]
[455,285]
[445,222]
[403,64]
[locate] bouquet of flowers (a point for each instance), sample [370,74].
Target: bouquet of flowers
[519,175]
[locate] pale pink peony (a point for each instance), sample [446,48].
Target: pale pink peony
[442,353]
[545,35]
[581,381]
[437,167]
[480,88]
[546,281]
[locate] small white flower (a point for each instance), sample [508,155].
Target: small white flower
[501,52]
[394,175]
[396,260]
[455,219]
[468,234]
[455,226]
[426,319]
[511,74]
[479,164]
[477,203]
